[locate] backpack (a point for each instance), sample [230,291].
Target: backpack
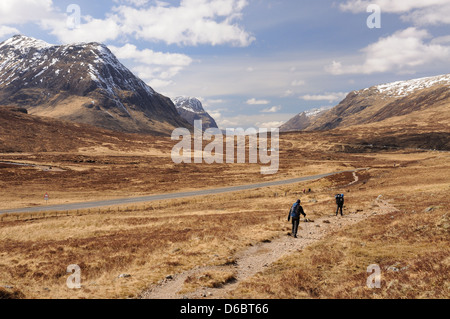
[340,199]
[295,211]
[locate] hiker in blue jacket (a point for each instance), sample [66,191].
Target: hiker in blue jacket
[294,213]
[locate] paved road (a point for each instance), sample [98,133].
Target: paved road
[145,199]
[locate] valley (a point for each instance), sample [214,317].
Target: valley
[76,126]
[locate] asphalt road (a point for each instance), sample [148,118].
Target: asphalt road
[151,198]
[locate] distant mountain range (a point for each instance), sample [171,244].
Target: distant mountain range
[83,83]
[377,104]
[191,109]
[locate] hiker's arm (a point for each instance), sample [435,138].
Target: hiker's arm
[302,211]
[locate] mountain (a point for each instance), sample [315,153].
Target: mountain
[380,103]
[191,109]
[83,83]
[303,120]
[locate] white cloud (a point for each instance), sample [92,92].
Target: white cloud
[273,109]
[441,40]
[287,93]
[7,31]
[138,3]
[190,22]
[193,22]
[397,6]
[150,57]
[331,97]
[14,12]
[157,68]
[90,29]
[429,12]
[401,52]
[254,101]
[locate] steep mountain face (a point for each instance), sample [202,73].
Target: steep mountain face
[382,102]
[84,83]
[191,109]
[302,121]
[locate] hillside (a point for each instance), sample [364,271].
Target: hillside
[22,133]
[83,83]
[382,102]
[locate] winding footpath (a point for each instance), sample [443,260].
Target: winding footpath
[257,258]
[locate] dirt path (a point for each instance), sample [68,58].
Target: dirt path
[256,258]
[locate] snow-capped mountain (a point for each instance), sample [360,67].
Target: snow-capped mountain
[191,109]
[303,120]
[82,82]
[381,102]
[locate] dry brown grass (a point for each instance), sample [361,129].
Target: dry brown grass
[411,246]
[151,241]
[208,279]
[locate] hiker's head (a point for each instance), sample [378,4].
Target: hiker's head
[298,201]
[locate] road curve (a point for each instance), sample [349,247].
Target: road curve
[151,198]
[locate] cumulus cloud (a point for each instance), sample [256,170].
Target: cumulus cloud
[190,22]
[20,12]
[402,51]
[193,22]
[90,29]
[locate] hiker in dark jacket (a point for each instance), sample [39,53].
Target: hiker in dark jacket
[294,213]
[339,203]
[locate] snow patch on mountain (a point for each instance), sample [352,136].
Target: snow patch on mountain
[317,111]
[404,88]
[189,104]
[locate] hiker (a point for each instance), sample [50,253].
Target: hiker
[294,213]
[339,203]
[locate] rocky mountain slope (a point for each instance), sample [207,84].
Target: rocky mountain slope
[302,121]
[191,109]
[84,83]
[382,102]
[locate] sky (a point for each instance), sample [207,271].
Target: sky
[253,63]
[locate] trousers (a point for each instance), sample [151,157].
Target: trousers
[295,223]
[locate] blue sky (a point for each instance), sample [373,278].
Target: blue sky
[253,63]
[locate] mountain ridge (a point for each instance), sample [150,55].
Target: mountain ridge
[381,102]
[83,83]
